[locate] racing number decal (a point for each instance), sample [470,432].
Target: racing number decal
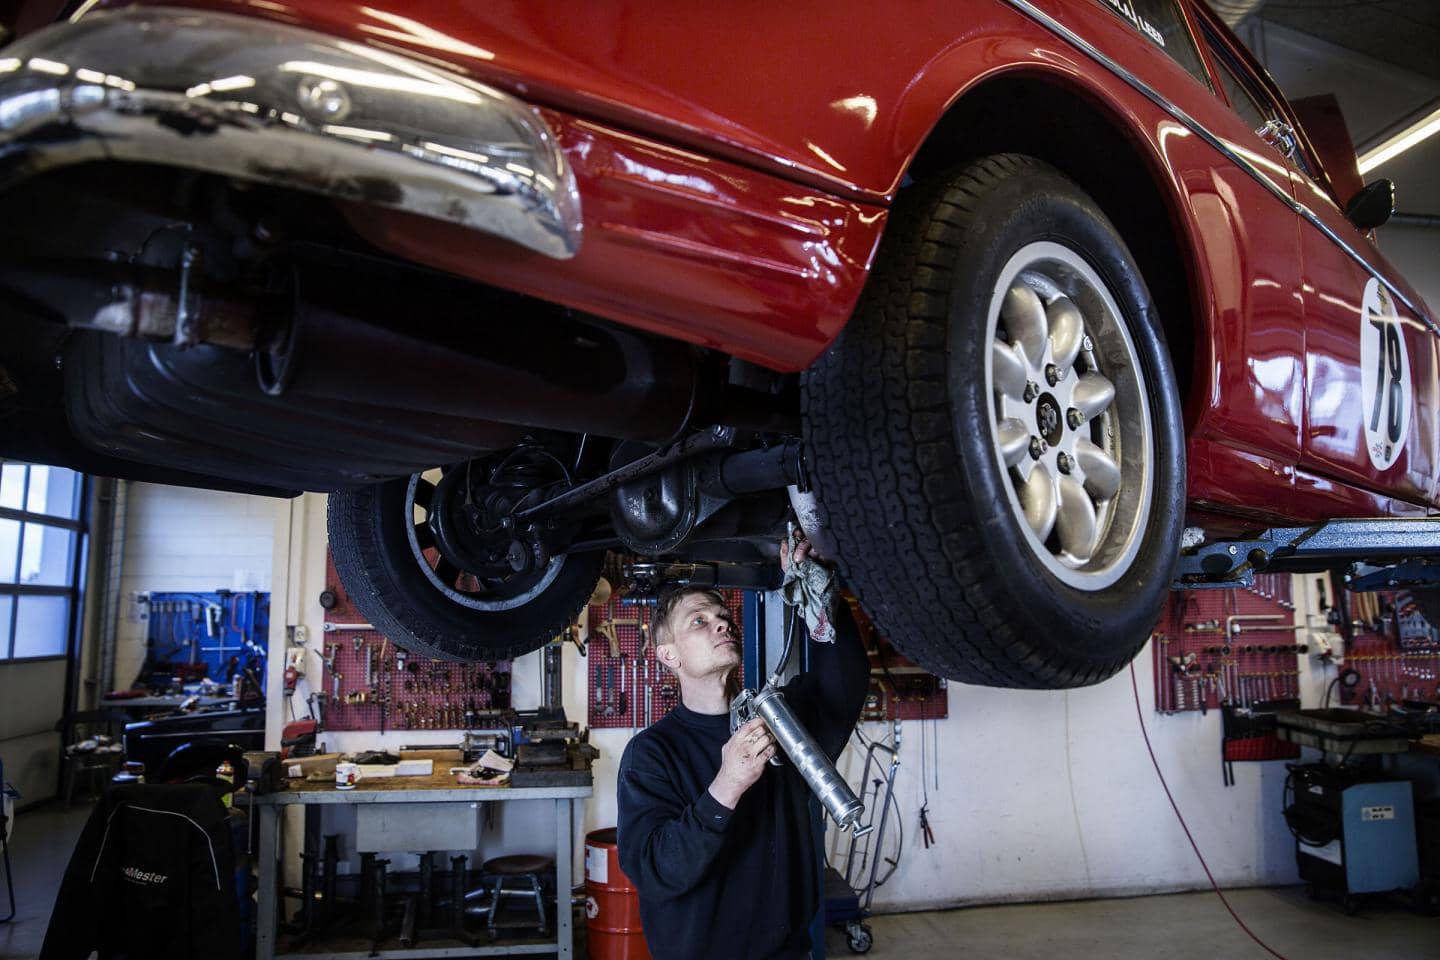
[1385,381]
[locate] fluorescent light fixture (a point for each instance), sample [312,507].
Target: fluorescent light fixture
[41,65]
[1391,147]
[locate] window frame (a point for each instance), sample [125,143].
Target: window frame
[1228,54]
[1206,78]
[78,523]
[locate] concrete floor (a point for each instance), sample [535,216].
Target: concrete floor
[1188,926]
[40,849]
[1183,926]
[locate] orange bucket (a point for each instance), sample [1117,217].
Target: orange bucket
[612,904]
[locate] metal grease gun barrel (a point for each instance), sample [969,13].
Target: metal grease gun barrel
[812,763]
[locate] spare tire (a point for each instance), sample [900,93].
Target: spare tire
[996,435]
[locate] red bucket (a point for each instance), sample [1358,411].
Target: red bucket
[612,904]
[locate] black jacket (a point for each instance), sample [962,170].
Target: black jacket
[152,878]
[742,884]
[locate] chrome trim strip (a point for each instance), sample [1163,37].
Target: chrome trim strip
[1194,126]
[270,103]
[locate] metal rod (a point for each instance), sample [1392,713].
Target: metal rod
[716,438]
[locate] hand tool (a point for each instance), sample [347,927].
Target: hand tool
[347,627]
[610,705]
[606,629]
[647,693]
[644,638]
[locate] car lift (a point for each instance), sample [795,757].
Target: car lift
[1383,553]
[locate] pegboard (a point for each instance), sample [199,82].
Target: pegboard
[623,670]
[370,683]
[1392,647]
[1238,647]
[899,690]
[214,635]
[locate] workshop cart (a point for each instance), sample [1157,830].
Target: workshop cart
[846,905]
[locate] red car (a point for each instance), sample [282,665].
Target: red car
[1000,296]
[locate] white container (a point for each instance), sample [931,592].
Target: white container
[346,776]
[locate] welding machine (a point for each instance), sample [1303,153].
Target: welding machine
[1353,834]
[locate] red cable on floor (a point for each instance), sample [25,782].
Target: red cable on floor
[1140,715]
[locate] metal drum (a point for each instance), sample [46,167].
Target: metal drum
[612,904]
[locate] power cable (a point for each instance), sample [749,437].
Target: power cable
[1140,715]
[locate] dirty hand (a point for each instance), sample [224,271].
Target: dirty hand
[802,551]
[742,761]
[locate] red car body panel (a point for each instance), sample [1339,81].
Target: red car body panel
[744,215]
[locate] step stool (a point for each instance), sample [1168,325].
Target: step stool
[522,868]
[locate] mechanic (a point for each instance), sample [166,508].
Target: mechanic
[719,843]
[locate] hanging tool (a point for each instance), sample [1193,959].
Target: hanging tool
[606,629]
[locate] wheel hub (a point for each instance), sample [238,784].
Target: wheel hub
[464,537]
[1070,418]
[1047,420]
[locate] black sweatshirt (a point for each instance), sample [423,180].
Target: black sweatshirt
[716,883]
[152,878]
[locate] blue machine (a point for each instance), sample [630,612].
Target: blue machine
[225,631]
[1353,835]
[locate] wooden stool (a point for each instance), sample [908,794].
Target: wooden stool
[521,867]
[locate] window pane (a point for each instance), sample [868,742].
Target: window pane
[7,606]
[12,485]
[1162,23]
[9,550]
[42,625]
[47,556]
[52,492]
[1242,101]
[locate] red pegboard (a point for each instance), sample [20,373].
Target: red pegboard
[618,684]
[1237,646]
[1393,648]
[370,683]
[899,690]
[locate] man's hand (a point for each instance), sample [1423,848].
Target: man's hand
[802,551]
[742,761]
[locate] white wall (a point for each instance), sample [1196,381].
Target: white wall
[179,539]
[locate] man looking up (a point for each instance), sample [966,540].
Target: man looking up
[718,842]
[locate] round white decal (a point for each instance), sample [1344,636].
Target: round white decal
[1385,381]
[592,909]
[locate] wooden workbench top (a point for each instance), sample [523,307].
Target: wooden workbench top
[439,787]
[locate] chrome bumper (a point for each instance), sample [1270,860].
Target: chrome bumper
[275,104]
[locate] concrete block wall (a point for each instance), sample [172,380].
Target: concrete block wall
[180,539]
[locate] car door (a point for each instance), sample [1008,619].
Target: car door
[1243,206]
[1371,415]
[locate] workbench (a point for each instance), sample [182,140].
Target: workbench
[170,701]
[437,788]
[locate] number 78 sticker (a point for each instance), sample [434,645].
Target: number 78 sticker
[1385,381]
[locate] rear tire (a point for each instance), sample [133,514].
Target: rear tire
[372,554]
[913,436]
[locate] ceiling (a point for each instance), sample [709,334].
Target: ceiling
[1381,58]
[1403,33]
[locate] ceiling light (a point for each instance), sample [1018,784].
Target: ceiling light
[1391,147]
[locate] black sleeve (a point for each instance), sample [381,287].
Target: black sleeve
[828,696]
[668,842]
